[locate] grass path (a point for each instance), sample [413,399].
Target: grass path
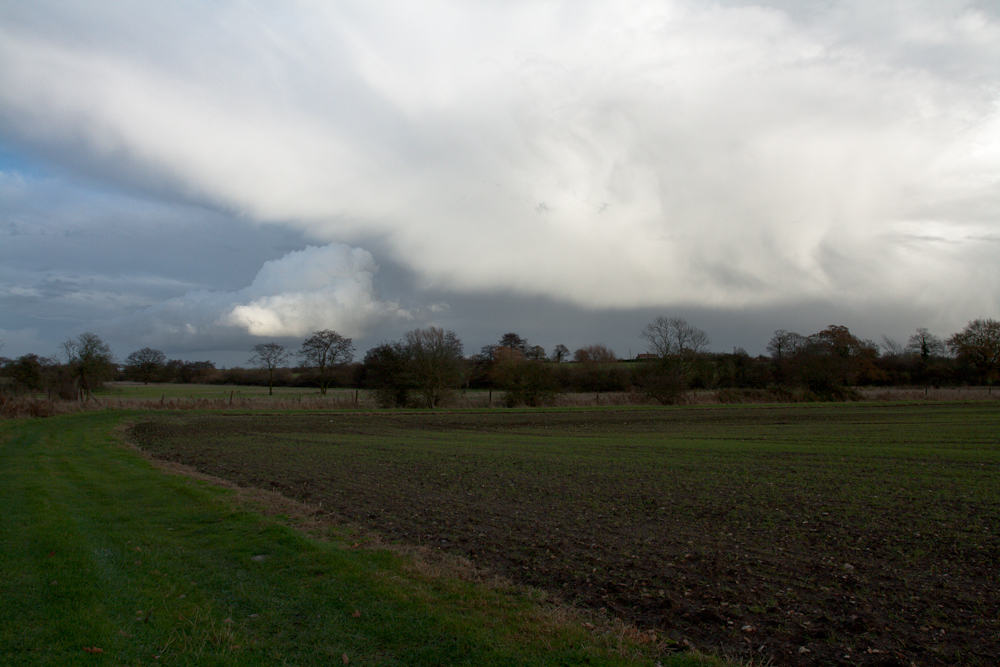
[105,560]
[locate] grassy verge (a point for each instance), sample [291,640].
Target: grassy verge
[104,560]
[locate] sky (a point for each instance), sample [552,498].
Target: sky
[201,177]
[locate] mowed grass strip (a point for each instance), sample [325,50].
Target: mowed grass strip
[104,560]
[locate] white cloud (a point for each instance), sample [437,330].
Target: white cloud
[328,287]
[315,288]
[646,153]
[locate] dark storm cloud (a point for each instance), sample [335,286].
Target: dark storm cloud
[715,159]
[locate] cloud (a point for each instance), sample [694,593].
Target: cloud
[646,154]
[15,342]
[329,287]
[315,288]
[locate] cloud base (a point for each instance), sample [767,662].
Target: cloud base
[654,154]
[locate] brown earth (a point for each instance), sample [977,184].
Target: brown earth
[798,558]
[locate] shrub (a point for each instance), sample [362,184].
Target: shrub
[14,408]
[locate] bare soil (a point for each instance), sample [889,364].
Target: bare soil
[740,540]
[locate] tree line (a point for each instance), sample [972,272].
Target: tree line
[427,365]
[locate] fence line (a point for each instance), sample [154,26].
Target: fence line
[28,407]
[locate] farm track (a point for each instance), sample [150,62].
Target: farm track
[861,535]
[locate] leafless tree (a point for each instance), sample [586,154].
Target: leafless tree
[326,350]
[269,356]
[90,361]
[678,346]
[925,344]
[785,343]
[673,336]
[435,362]
[892,347]
[595,354]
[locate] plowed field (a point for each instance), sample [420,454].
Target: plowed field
[811,535]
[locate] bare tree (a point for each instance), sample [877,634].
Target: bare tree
[925,344]
[892,347]
[269,356]
[326,350]
[595,354]
[435,362]
[90,361]
[673,336]
[678,346]
[145,363]
[785,343]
